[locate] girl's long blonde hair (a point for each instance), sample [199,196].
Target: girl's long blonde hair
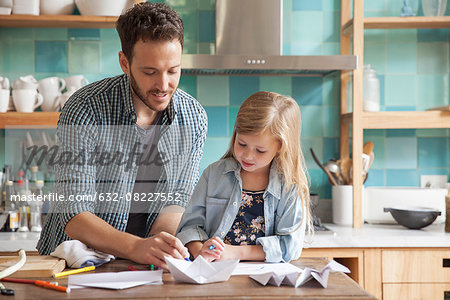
[281,116]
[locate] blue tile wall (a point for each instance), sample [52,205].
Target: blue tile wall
[412,65]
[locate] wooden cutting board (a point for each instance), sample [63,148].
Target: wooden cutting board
[38,266]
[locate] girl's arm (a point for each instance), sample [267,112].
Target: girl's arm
[287,242]
[248,252]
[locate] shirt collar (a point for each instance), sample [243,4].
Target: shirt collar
[275,179]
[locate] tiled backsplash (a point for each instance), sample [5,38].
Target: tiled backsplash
[412,65]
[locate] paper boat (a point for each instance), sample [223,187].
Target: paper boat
[200,271]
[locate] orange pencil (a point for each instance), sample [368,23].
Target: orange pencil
[44,284]
[51,286]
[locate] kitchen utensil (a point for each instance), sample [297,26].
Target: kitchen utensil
[333,167]
[330,177]
[413,217]
[102,7]
[35,266]
[346,165]
[434,7]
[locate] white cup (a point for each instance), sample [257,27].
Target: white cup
[342,204]
[51,84]
[51,101]
[64,97]
[4,100]
[26,100]
[4,83]
[76,81]
[25,83]
[51,89]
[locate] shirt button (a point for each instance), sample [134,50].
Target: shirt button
[133,164]
[133,117]
[124,221]
[222,233]
[235,203]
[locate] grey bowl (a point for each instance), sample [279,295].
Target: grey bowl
[413,217]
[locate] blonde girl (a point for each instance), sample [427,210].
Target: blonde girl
[253,204]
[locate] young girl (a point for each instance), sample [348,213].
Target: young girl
[253,204]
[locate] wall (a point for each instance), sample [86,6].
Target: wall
[413,67]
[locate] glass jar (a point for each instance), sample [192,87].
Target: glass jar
[371,90]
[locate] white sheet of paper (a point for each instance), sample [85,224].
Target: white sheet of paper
[200,271]
[261,268]
[115,280]
[297,279]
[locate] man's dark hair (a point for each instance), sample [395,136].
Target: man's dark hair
[148,22]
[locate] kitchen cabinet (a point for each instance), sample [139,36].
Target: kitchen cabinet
[352,41]
[394,273]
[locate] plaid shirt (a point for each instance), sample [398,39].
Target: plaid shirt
[101,117]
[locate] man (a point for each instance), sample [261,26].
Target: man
[134,208]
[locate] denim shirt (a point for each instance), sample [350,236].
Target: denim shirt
[216,200]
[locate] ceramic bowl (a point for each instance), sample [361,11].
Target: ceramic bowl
[102,7]
[413,217]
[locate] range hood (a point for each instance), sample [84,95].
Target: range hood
[249,40]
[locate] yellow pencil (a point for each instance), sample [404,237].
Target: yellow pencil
[76,271]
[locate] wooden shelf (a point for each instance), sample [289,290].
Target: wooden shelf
[42,119]
[67,21]
[401,119]
[400,23]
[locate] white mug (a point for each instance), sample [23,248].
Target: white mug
[51,84]
[51,101]
[64,97]
[4,100]
[4,83]
[26,100]
[76,81]
[25,82]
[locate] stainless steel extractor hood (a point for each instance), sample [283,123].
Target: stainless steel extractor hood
[249,40]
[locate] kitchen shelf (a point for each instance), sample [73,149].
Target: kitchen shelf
[352,42]
[68,21]
[41,119]
[400,23]
[401,119]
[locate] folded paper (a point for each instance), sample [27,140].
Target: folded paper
[200,271]
[78,255]
[115,280]
[297,279]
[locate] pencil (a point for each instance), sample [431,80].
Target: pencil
[76,271]
[41,283]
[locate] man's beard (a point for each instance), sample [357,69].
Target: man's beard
[138,92]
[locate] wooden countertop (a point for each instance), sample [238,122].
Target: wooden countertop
[340,286]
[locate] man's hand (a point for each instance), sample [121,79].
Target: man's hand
[152,250]
[214,253]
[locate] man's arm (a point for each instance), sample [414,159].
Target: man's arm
[168,220]
[93,231]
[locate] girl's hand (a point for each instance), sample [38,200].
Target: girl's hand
[212,249]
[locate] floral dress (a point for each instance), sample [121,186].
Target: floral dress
[249,222]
